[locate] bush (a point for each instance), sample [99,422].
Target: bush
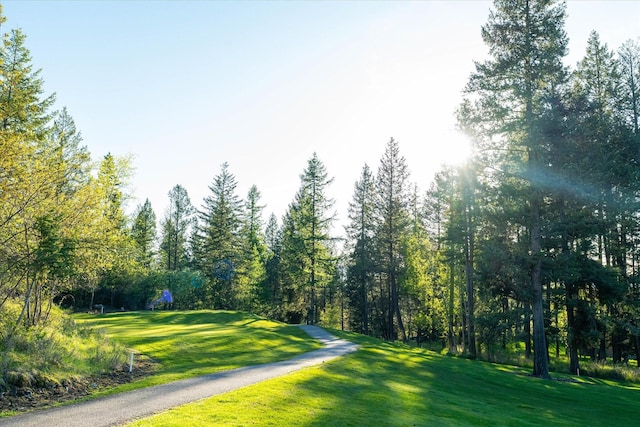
[46,354]
[608,371]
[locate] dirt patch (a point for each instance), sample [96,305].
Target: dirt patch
[21,399]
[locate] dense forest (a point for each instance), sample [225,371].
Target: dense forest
[534,241]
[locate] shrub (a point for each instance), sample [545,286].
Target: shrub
[44,355]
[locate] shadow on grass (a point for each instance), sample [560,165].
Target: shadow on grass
[188,344]
[389,384]
[381,384]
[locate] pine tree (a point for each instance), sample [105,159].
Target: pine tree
[272,291]
[361,267]
[438,207]
[143,232]
[613,156]
[252,269]
[527,43]
[312,221]
[22,108]
[294,270]
[176,229]
[392,222]
[217,240]
[423,282]
[629,59]
[73,158]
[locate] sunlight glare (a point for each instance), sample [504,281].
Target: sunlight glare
[456,148]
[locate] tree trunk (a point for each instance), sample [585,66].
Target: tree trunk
[468,270]
[452,283]
[93,293]
[396,304]
[540,356]
[574,363]
[365,306]
[527,330]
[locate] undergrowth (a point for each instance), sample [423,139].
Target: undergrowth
[514,355]
[53,351]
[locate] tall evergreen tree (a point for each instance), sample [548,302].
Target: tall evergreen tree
[361,266]
[176,229]
[312,221]
[272,291]
[253,220]
[423,284]
[294,269]
[143,232]
[252,269]
[438,204]
[23,110]
[74,159]
[527,43]
[392,222]
[629,58]
[217,240]
[613,171]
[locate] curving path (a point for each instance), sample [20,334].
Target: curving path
[124,407]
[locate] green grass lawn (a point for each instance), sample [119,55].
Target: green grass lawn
[386,384]
[188,344]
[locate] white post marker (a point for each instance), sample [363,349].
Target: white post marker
[131,362]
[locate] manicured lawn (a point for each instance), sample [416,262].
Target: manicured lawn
[192,343]
[386,384]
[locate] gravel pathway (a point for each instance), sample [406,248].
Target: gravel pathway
[124,407]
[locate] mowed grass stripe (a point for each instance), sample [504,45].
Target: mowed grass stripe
[188,344]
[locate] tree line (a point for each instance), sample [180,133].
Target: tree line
[534,240]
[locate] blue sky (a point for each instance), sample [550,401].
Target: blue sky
[185,86]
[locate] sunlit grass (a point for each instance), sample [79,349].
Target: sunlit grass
[385,384]
[188,344]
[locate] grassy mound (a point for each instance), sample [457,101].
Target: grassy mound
[54,353]
[191,343]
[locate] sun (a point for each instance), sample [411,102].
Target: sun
[456,148]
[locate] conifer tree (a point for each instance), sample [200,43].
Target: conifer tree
[143,232]
[176,229]
[217,240]
[527,43]
[361,266]
[392,222]
[252,268]
[271,293]
[306,259]
[629,59]
[23,110]
[312,218]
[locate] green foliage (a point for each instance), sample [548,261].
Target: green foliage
[52,351]
[143,232]
[392,220]
[542,224]
[307,262]
[217,241]
[608,371]
[176,228]
[22,111]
